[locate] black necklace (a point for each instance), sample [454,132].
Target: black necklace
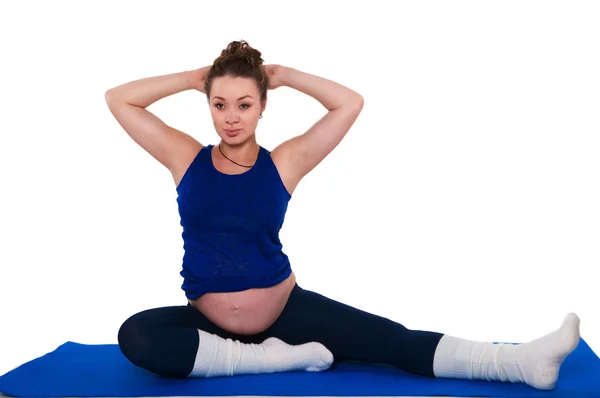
[233,161]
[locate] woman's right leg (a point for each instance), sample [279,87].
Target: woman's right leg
[179,341]
[165,340]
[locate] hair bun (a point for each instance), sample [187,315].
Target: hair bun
[242,50]
[239,59]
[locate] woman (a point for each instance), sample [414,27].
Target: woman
[245,312]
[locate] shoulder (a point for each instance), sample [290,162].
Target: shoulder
[281,157]
[184,159]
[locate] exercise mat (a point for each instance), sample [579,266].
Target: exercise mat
[81,370]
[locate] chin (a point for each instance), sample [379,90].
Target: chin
[241,137]
[231,140]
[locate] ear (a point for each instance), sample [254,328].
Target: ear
[263,106]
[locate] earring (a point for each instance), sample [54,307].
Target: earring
[260,116]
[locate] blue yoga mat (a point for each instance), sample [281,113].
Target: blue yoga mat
[79,370]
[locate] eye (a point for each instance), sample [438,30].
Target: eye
[219,105]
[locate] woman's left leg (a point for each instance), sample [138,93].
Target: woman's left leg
[356,335]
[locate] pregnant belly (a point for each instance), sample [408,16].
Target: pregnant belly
[247,312]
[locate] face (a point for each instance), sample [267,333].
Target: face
[235,107]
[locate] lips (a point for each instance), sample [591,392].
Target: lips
[232,133]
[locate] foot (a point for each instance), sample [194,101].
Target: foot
[312,357]
[540,360]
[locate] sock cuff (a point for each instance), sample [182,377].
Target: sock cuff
[448,361]
[205,356]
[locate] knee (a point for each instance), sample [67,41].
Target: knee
[134,339]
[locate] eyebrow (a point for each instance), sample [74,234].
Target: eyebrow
[239,99]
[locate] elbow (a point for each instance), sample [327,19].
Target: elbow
[108,95]
[112,97]
[360,100]
[353,103]
[112,93]
[356,103]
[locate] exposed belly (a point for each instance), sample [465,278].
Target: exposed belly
[247,312]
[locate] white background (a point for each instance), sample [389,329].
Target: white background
[464,199]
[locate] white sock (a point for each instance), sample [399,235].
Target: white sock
[217,356]
[536,363]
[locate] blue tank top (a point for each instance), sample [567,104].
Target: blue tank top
[231,226]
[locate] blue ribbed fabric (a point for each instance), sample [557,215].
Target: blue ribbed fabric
[231,226]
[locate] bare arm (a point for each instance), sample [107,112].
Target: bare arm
[299,155]
[166,144]
[145,92]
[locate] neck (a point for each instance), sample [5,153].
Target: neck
[244,154]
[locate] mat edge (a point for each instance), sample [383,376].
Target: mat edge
[280,396]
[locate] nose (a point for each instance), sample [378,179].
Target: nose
[231,116]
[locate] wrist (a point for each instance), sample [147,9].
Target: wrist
[196,78]
[286,75]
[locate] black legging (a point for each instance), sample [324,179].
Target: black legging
[165,340]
